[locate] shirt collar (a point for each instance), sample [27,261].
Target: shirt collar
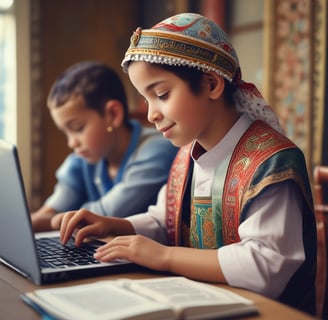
[224,146]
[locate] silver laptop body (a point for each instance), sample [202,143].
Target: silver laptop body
[17,240]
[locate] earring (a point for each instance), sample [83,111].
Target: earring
[109,129]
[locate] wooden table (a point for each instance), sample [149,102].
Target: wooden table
[12,307]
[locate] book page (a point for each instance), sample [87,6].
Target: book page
[103,300]
[194,300]
[184,292]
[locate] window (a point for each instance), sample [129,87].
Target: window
[15,109]
[7,71]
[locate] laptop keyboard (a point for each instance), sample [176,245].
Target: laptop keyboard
[52,254]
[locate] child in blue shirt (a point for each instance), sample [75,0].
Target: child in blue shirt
[117,166]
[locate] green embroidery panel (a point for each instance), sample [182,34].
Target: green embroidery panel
[205,230]
[206,212]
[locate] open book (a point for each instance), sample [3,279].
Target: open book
[156,298]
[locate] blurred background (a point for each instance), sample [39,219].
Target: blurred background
[281,46]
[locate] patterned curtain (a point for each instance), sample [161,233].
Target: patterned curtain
[36,104]
[296,63]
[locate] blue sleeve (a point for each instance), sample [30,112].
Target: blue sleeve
[146,172]
[69,192]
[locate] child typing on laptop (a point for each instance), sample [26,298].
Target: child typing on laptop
[237,207]
[117,166]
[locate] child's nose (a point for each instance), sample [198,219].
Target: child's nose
[72,142]
[154,115]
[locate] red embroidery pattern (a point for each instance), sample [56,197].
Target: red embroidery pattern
[174,194]
[258,144]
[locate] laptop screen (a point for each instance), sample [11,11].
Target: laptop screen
[17,247]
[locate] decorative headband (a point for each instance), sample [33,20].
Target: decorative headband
[192,40]
[166,47]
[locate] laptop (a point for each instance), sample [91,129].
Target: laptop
[20,247]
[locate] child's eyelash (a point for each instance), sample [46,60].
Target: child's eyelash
[163,96]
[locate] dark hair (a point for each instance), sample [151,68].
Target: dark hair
[193,77]
[95,82]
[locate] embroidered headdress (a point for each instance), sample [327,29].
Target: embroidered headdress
[189,39]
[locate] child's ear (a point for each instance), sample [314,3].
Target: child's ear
[216,84]
[114,113]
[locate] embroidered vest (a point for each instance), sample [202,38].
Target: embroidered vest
[258,144]
[262,157]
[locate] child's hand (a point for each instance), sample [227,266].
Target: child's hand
[83,224]
[137,249]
